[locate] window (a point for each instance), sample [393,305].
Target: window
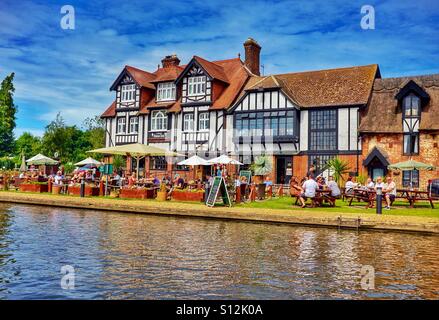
[166,91]
[410,179]
[159,121]
[188,122]
[134,124]
[323,130]
[411,106]
[203,121]
[128,92]
[197,86]
[268,124]
[411,143]
[158,163]
[121,125]
[320,162]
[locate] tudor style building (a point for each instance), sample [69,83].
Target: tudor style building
[226,107]
[402,123]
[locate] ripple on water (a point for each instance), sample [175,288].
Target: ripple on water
[122,256]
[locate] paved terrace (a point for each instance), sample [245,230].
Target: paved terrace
[368,220]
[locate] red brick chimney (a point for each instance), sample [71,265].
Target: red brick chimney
[170,61]
[252,56]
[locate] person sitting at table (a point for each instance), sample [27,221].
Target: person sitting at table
[335,190]
[132,180]
[349,186]
[390,190]
[296,191]
[370,184]
[268,182]
[156,181]
[310,187]
[57,180]
[379,184]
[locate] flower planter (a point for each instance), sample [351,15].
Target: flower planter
[137,193]
[33,187]
[89,191]
[56,189]
[194,196]
[162,195]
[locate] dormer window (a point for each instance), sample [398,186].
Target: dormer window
[197,86]
[128,92]
[166,91]
[411,106]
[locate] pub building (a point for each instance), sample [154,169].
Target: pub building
[211,108]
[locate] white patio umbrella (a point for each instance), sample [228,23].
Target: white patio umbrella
[223,159]
[88,161]
[40,159]
[194,161]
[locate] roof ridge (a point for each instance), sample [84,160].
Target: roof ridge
[324,70]
[128,66]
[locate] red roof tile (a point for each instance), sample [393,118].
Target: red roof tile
[143,78]
[110,112]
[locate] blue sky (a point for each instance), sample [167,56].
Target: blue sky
[71,70]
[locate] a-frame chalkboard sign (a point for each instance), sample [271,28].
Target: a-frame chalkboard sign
[219,185]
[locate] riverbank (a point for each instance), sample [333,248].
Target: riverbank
[354,220]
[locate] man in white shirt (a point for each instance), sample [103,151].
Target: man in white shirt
[390,190]
[310,186]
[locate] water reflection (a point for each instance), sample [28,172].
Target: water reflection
[145,257]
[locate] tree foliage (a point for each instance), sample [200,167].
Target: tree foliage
[7,116]
[28,145]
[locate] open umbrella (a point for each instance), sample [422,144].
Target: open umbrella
[223,159]
[194,161]
[40,159]
[89,161]
[411,165]
[136,150]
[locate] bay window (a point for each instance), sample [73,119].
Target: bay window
[166,91]
[128,93]
[159,121]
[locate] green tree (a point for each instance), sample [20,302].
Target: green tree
[27,144]
[7,116]
[95,133]
[338,168]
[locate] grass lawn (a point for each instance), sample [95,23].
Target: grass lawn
[400,208]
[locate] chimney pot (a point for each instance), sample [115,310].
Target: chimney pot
[252,55]
[170,61]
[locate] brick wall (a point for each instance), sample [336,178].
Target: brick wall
[393,145]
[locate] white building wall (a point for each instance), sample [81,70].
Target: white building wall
[343,129]
[303,142]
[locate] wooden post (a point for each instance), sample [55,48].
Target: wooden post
[101,187]
[281,191]
[238,194]
[252,195]
[49,185]
[270,192]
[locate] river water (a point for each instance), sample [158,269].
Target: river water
[129,256]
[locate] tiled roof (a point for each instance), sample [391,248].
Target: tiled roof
[167,74]
[143,78]
[214,69]
[383,114]
[332,87]
[111,111]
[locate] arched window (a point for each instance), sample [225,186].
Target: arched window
[159,121]
[411,106]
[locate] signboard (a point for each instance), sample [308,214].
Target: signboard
[106,169]
[219,185]
[247,174]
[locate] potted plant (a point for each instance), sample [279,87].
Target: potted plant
[162,194]
[261,167]
[56,189]
[338,168]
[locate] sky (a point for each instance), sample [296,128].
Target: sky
[71,70]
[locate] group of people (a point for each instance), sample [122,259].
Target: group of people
[308,188]
[388,188]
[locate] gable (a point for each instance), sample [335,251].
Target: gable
[258,100]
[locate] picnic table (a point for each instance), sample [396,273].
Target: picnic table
[321,196]
[369,196]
